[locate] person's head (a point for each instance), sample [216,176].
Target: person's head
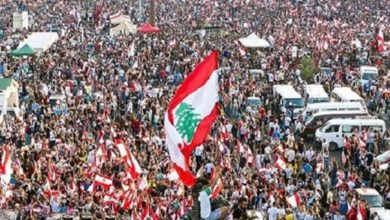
[243,202]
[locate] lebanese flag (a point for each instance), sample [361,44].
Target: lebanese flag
[134,168]
[128,200]
[101,155]
[133,216]
[280,163]
[217,189]
[239,147]
[110,200]
[294,200]
[224,132]
[190,115]
[145,213]
[116,15]
[5,166]
[102,181]
[143,184]
[380,41]
[49,193]
[155,214]
[122,150]
[72,187]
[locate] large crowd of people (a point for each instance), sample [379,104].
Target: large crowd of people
[119,88]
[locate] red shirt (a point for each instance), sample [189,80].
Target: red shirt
[262,112]
[351,215]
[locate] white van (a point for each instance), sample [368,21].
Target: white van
[287,97]
[345,94]
[320,118]
[367,74]
[10,111]
[334,130]
[375,201]
[312,109]
[315,94]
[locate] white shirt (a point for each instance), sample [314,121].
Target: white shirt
[287,121]
[258,136]
[208,167]
[268,150]
[288,172]
[229,127]
[258,161]
[199,150]
[290,155]
[273,213]
[205,205]
[52,136]
[309,155]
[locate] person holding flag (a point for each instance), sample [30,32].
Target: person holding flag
[202,192]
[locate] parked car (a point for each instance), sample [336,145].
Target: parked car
[375,201]
[253,104]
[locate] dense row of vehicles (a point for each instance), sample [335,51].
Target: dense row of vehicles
[327,119]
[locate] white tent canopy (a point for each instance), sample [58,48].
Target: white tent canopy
[253,41]
[123,28]
[119,18]
[40,41]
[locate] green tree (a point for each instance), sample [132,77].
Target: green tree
[187,121]
[308,68]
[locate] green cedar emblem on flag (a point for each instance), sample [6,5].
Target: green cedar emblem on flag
[187,121]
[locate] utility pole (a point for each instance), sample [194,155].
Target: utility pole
[140,5]
[152,13]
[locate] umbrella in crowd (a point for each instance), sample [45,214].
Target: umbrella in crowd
[148,28]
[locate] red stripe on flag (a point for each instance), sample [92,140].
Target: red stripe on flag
[185,176]
[194,81]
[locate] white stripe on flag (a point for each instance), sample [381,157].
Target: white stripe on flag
[122,149]
[135,163]
[172,176]
[103,180]
[292,201]
[204,98]
[173,141]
